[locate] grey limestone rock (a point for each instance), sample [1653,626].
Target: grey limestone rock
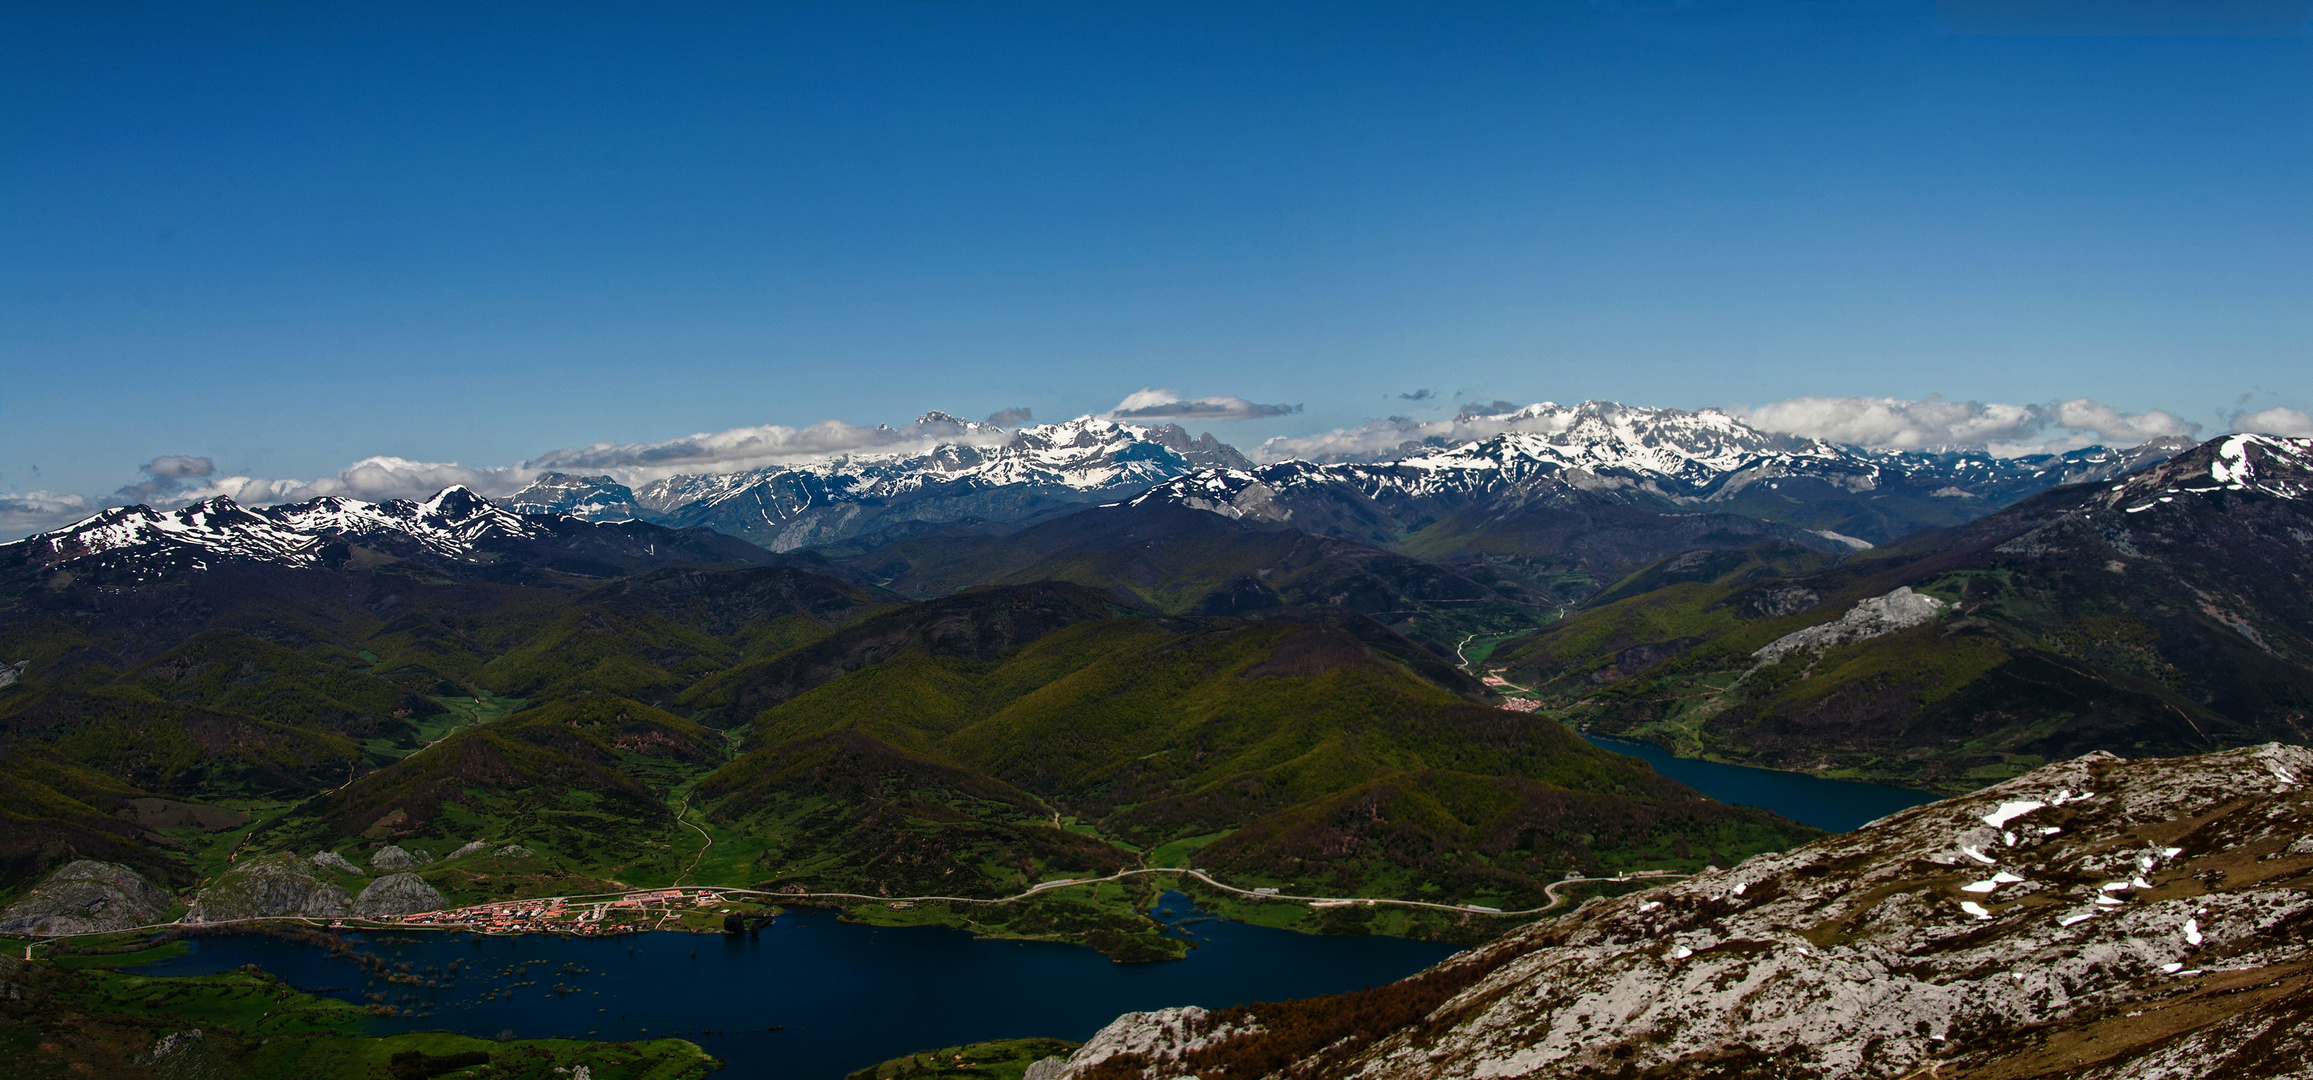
[1161,1037]
[469,849]
[86,897]
[269,885]
[513,851]
[397,894]
[330,860]
[1962,937]
[392,857]
[1898,610]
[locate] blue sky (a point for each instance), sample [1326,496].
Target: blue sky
[287,237]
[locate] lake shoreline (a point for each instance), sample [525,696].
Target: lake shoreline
[810,995]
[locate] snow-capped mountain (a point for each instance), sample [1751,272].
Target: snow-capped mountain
[595,498]
[978,476]
[2263,464]
[454,524]
[1545,459]
[1667,459]
[209,531]
[455,529]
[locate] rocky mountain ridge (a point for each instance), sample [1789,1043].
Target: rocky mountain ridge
[454,528]
[1668,459]
[2094,918]
[1664,459]
[977,472]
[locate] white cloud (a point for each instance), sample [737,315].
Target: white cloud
[745,448]
[165,478]
[2122,429]
[22,514]
[1394,436]
[2007,430]
[1893,423]
[2278,420]
[371,479]
[375,478]
[1149,403]
[179,466]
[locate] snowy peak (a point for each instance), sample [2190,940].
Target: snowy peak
[594,498]
[973,471]
[449,524]
[2261,464]
[452,524]
[216,527]
[1606,436]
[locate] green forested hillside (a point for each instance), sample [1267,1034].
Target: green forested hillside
[1291,750]
[770,727]
[2157,616]
[1185,561]
[260,688]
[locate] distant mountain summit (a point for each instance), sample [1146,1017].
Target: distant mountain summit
[594,498]
[1592,453]
[1600,454]
[455,531]
[1592,489]
[980,474]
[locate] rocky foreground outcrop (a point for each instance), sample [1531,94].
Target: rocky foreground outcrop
[2096,918]
[86,897]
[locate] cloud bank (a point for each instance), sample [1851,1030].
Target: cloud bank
[37,511]
[2007,430]
[745,448]
[1154,404]
[2279,420]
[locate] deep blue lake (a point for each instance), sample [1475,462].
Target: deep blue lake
[1836,805]
[845,995]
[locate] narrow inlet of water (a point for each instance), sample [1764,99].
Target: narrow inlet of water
[1835,805]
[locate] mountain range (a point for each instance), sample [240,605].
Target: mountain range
[455,531]
[1655,458]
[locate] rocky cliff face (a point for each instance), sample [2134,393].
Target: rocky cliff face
[270,885]
[2094,918]
[397,894]
[86,897]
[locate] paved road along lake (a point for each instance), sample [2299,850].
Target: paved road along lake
[845,995]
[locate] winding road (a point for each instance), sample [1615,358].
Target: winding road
[1550,890]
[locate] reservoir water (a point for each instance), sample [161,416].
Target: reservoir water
[843,995]
[1836,805]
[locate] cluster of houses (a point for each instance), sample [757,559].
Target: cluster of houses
[559,916]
